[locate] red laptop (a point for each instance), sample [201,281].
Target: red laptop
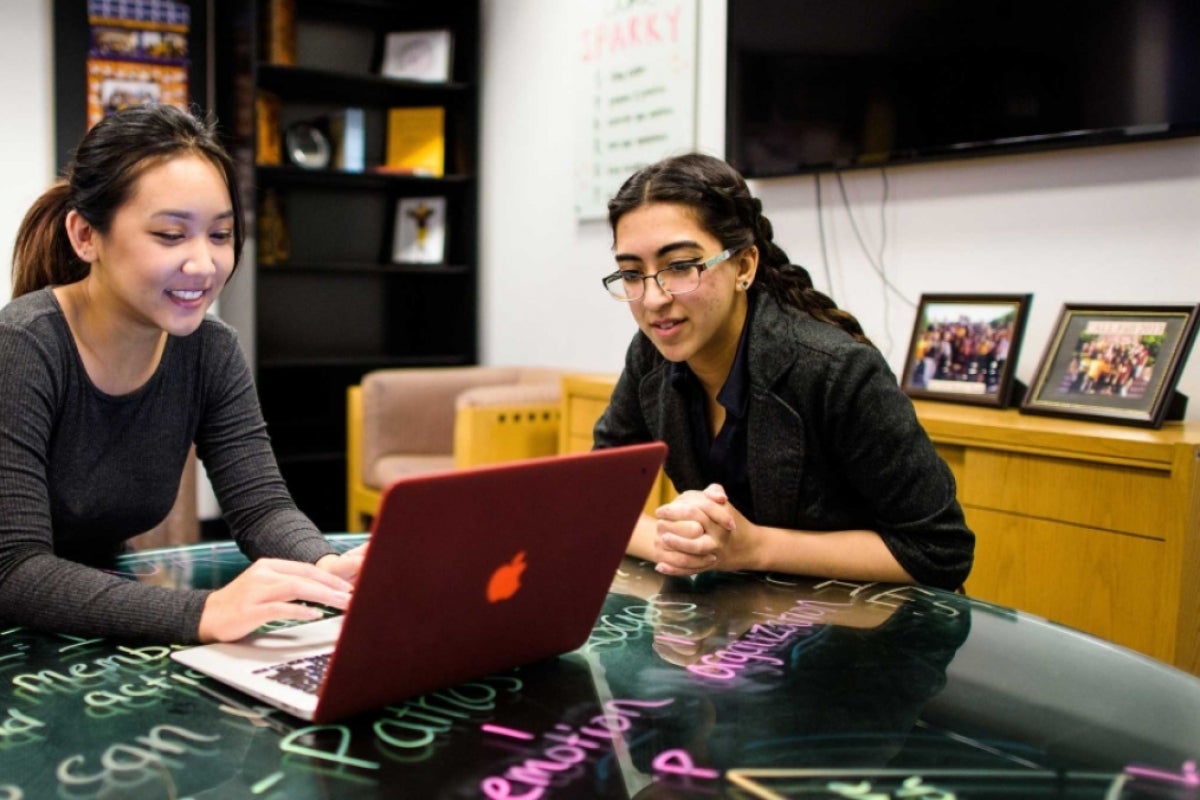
[468,572]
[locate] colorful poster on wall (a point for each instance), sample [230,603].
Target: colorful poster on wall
[636,101]
[138,53]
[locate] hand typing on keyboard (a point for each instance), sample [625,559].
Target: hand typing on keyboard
[272,589]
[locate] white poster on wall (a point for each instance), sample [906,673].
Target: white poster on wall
[636,101]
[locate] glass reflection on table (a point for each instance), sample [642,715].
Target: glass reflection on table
[725,685]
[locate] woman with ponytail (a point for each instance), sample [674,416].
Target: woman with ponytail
[111,369]
[791,443]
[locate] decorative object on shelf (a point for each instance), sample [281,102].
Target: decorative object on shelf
[1115,364]
[416,141]
[273,245]
[420,230]
[307,146]
[278,29]
[138,54]
[269,138]
[417,55]
[964,348]
[347,135]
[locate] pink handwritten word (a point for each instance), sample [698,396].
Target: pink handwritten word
[503,731]
[679,762]
[755,646]
[529,780]
[1188,777]
[635,30]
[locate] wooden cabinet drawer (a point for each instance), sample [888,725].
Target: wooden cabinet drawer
[955,458]
[1108,584]
[1118,498]
[578,444]
[582,413]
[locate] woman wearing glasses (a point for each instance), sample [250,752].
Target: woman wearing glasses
[791,444]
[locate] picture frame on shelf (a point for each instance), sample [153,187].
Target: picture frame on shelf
[1115,363]
[420,231]
[964,348]
[418,55]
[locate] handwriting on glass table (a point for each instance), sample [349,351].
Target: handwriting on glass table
[146,753]
[144,664]
[565,747]
[756,645]
[1188,776]
[411,726]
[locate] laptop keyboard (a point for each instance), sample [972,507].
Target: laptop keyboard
[304,673]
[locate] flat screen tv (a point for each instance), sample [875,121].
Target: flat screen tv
[819,85]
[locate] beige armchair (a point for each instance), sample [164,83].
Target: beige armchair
[407,421]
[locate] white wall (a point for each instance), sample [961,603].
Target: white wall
[1107,225]
[1117,224]
[27,122]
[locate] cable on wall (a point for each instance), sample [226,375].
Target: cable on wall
[821,232]
[825,252]
[876,261]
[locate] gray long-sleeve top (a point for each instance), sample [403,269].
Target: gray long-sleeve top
[833,443]
[82,471]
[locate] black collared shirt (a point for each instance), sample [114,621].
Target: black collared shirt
[725,459]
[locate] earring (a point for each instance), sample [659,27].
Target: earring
[745,285]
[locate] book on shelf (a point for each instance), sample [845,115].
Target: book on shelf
[273,245]
[268,134]
[420,235]
[416,141]
[277,27]
[347,134]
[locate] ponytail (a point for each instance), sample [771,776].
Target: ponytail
[725,208]
[42,254]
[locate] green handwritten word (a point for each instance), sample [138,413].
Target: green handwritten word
[83,676]
[120,762]
[292,744]
[18,729]
[913,788]
[416,723]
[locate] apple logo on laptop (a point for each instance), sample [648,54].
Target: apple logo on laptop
[506,580]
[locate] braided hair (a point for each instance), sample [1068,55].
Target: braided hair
[726,209]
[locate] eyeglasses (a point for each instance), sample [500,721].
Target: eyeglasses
[682,277]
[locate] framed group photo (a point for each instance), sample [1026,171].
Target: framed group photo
[1114,363]
[964,348]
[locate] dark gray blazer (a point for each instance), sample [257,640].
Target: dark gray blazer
[834,443]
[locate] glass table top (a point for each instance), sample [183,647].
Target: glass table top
[738,686]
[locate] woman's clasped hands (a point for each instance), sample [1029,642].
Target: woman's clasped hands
[699,531]
[272,589]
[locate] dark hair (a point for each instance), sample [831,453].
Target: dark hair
[100,179]
[726,209]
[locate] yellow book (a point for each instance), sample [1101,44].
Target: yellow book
[416,140]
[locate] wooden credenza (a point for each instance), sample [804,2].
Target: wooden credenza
[1091,525]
